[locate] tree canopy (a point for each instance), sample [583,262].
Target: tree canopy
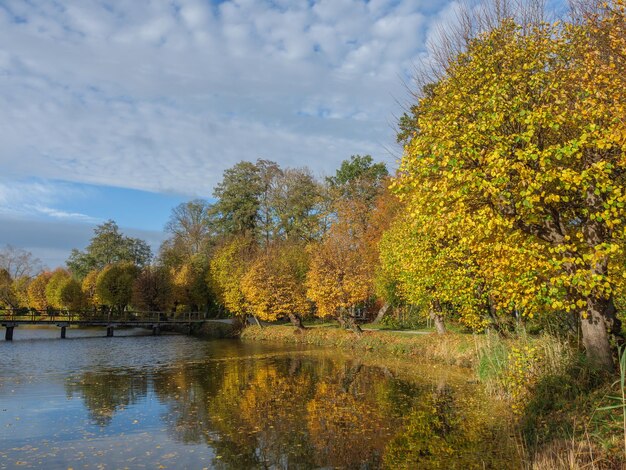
[108,246]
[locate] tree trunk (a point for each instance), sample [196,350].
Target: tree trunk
[296,320]
[354,326]
[348,321]
[381,312]
[350,373]
[437,317]
[257,321]
[596,329]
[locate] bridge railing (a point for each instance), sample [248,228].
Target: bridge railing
[97,315]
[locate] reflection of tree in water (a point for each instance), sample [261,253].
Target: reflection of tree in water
[187,391]
[347,426]
[258,415]
[450,430]
[106,392]
[304,412]
[274,408]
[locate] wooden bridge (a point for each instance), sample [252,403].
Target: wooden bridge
[10,319]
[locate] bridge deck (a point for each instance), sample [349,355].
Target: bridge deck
[155,320]
[112,322]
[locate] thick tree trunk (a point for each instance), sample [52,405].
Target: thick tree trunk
[382,312]
[348,321]
[296,320]
[437,318]
[597,328]
[601,321]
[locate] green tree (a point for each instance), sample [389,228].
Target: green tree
[70,295]
[237,195]
[7,292]
[244,200]
[296,201]
[108,246]
[192,232]
[359,179]
[114,285]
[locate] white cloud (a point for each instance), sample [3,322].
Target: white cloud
[165,95]
[38,199]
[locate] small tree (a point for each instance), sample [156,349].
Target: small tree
[340,277]
[37,291]
[108,246]
[7,292]
[228,266]
[114,286]
[274,284]
[88,287]
[153,290]
[53,288]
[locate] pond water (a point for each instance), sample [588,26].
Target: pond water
[174,401]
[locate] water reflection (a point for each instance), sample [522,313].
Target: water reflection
[107,391]
[308,411]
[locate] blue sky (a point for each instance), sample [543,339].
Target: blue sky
[123,109]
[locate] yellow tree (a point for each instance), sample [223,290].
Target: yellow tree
[89,289]
[226,271]
[53,287]
[189,288]
[274,283]
[433,273]
[524,135]
[20,289]
[37,291]
[340,275]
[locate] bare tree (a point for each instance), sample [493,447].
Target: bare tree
[18,262]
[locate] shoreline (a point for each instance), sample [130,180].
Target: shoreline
[450,349]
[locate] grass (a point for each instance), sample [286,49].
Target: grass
[452,349]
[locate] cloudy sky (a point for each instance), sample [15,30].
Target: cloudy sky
[124,108]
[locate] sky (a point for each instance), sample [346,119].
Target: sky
[123,109]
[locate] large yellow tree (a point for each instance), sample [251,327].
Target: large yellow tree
[524,135]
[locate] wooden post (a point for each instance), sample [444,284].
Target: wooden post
[109,331]
[8,336]
[63,328]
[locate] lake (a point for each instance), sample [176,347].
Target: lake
[174,401]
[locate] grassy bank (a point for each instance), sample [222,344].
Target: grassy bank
[556,398]
[452,349]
